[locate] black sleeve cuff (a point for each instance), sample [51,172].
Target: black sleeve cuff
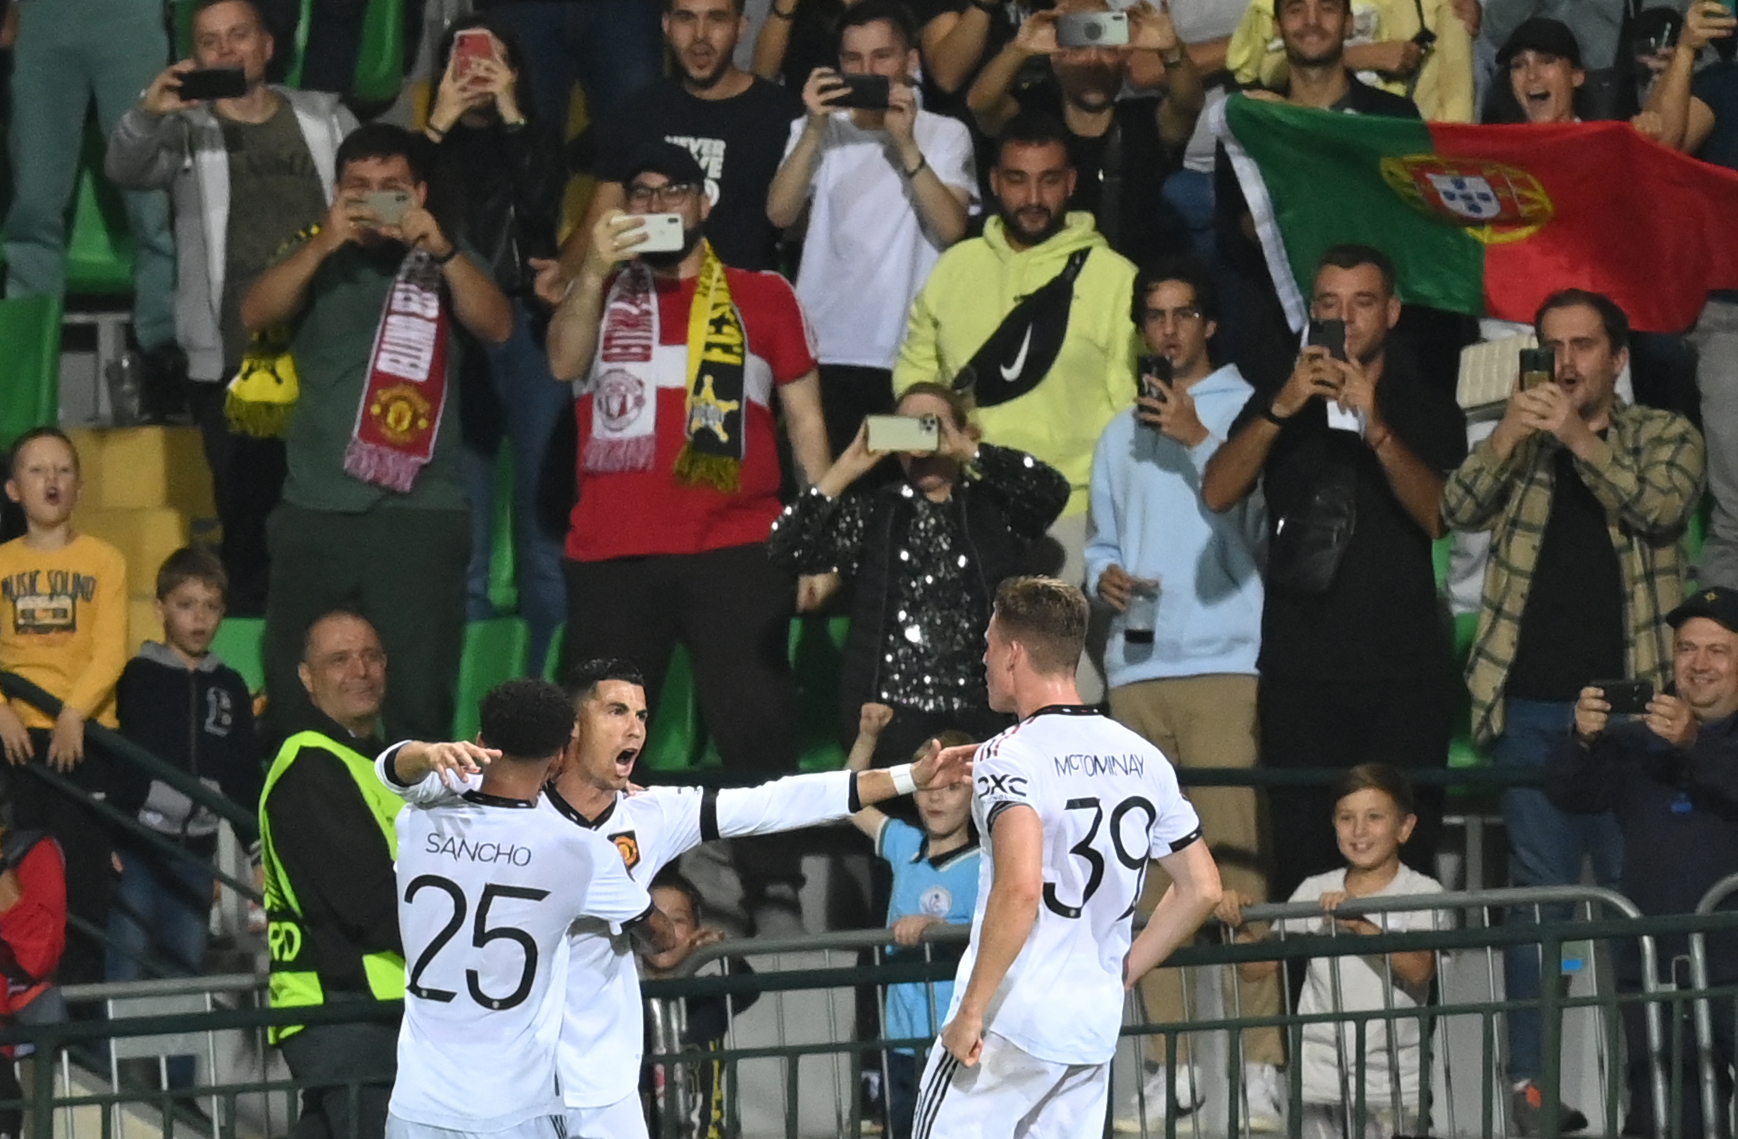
[390,766]
[855,802]
[1192,837]
[709,815]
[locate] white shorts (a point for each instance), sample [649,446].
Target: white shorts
[542,1127]
[1009,1093]
[623,1119]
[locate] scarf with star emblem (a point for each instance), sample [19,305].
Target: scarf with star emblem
[624,392]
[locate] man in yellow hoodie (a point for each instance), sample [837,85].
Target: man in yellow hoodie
[1033,318]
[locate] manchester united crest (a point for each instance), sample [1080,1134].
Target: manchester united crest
[400,413]
[1493,202]
[629,844]
[620,398]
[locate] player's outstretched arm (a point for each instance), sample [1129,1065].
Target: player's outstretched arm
[1009,914]
[405,766]
[939,767]
[1191,898]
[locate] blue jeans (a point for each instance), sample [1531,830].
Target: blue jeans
[1546,846]
[611,47]
[532,406]
[161,913]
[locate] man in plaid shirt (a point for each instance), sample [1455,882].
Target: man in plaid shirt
[1587,499]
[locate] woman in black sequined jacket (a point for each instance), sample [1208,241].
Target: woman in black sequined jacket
[925,554]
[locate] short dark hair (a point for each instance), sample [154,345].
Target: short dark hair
[1352,255]
[251,5]
[1033,128]
[1378,777]
[668,6]
[1048,617]
[582,679]
[897,15]
[526,719]
[1190,271]
[347,612]
[47,431]
[191,563]
[383,141]
[1615,320]
[670,878]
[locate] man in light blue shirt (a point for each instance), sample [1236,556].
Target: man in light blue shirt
[1188,684]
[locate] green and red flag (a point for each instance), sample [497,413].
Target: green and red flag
[1487,220]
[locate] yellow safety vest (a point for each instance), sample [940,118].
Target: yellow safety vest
[294,980]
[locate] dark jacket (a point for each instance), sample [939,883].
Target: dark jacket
[499,191]
[1678,810]
[197,719]
[1000,513]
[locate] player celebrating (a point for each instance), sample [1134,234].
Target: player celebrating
[1070,807]
[482,1011]
[603,1032]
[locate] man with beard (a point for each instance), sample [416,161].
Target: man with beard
[1587,499]
[733,122]
[680,358]
[1351,452]
[1122,150]
[1032,319]
[373,512]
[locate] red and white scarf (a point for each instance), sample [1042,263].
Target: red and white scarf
[624,388]
[406,395]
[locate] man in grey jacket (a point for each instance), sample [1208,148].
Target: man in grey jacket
[243,173]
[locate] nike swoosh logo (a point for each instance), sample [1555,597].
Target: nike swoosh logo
[1009,371]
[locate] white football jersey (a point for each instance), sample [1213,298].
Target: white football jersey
[1109,803]
[603,1029]
[488,888]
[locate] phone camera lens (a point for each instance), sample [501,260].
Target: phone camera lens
[1093,31]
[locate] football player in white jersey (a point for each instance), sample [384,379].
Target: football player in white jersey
[489,884]
[603,1031]
[1070,806]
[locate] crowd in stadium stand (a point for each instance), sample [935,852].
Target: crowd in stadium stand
[854,308]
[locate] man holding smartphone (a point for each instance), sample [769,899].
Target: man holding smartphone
[887,188]
[1191,688]
[1352,453]
[679,357]
[1587,499]
[245,173]
[374,510]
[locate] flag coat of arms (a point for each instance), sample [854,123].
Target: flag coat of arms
[1488,220]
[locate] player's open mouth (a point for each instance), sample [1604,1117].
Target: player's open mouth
[625,760]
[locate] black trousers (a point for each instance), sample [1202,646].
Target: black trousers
[336,1054]
[850,392]
[1323,722]
[247,479]
[731,608]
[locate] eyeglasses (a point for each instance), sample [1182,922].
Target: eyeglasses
[670,194]
[1184,315]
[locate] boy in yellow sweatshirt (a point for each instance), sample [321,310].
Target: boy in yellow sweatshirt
[63,625]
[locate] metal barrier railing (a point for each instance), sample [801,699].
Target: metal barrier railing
[1707,1057]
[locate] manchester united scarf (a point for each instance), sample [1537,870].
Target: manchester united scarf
[400,414]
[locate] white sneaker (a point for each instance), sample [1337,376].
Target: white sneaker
[1265,1088]
[1147,1109]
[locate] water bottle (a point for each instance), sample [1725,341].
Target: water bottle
[1142,611]
[126,396]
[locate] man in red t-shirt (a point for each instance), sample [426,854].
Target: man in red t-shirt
[677,359]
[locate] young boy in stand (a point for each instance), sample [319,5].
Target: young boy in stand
[64,627]
[1373,818]
[935,879]
[703,1024]
[181,703]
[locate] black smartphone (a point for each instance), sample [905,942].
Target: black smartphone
[1153,376]
[1626,697]
[864,92]
[213,83]
[1538,366]
[1329,334]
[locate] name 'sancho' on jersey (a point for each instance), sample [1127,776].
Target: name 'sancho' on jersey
[1100,764]
[459,850]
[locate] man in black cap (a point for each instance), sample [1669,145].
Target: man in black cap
[678,358]
[1671,777]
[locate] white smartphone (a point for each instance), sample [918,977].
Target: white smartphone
[1092,29]
[903,433]
[664,233]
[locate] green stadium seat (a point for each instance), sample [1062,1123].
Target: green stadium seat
[494,651]
[239,642]
[503,563]
[817,647]
[29,365]
[676,735]
[380,57]
[99,246]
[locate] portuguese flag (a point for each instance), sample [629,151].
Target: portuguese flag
[1487,220]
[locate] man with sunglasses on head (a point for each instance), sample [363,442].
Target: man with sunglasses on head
[678,357]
